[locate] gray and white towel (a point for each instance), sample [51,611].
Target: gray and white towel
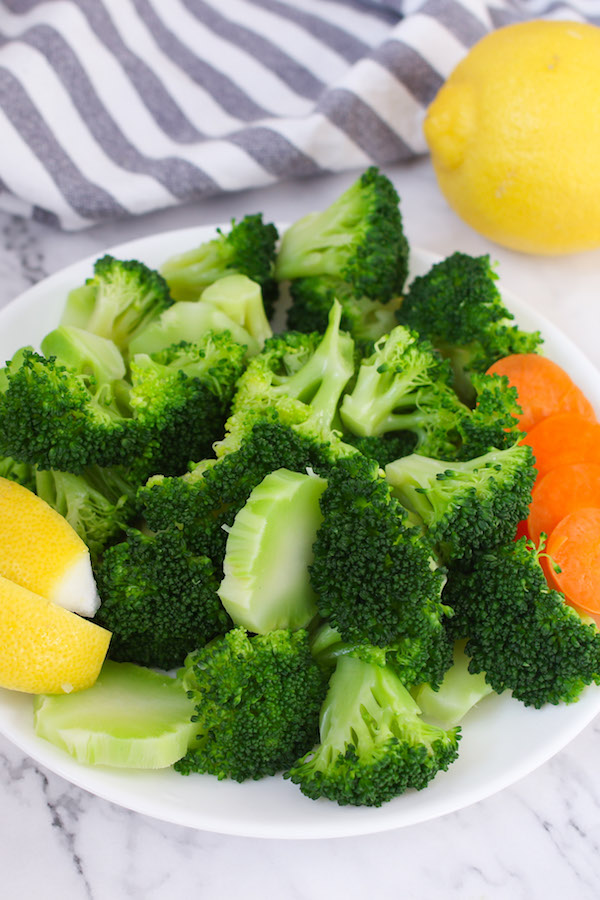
[111,108]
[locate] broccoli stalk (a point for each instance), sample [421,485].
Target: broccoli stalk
[257,704]
[374,744]
[357,239]
[460,690]
[466,505]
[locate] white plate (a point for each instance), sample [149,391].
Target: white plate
[502,740]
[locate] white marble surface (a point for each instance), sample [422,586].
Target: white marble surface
[537,839]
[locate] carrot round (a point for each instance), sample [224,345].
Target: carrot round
[563,439]
[543,388]
[561,491]
[574,546]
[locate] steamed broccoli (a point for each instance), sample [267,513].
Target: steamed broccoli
[458,307]
[21,472]
[258,700]
[158,599]
[520,633]
[468,505]
[180,397]
[375,579]
[99,503]
[460,690]
[362,317]
[358,240]
[121,298]
[373,743]
[68,416]
[247,249]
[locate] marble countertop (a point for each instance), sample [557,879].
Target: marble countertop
[537,839]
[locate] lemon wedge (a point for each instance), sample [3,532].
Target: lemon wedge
[40,551]
[46,649]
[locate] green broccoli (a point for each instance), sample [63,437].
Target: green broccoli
[121,298]
[68,416]
[458,307]
[519,632]
[21,472]
[99,504]
[373,743]
[258,700]
[247,249]
[448,703]
[180,397]
[358,240]
[375,579]
[467,505]
[158,599]
[364,318]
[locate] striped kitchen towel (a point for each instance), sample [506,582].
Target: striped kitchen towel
[111,108]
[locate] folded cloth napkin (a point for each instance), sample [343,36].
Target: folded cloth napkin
[111,108]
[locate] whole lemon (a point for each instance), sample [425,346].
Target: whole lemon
[514,135]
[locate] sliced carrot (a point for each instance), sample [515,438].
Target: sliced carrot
[522,530]
[563,439]
[561,491]
[543,388]
[574,546]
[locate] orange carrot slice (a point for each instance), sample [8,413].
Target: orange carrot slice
[561,491]
[574,546]
[543,388]
[563,439]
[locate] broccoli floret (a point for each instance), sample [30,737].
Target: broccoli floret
[467,505]
[364,318]
[458,307]
[258,700]
[373,743]
[67,417]
[241,299]
[158,599]
[99,503]
[375,579]
[522,634]
[358,240]
[404,385]
[247,249]
[180,397]
[460,690]
[384,448]
[121,298]
[21,472]
[494,420]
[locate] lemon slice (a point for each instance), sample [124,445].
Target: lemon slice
[46,649]
[40,551]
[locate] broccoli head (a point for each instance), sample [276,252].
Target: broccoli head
[248,248]
[158,599]
[358,240]
[374,744]
[258,699]
[121,298]
[521,633]
[467,505]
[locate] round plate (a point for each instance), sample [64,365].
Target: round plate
[502,740]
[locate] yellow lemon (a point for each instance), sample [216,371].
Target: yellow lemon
[46,649]
[514,136]
[41,551]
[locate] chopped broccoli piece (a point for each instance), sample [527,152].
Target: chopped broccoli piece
[358,240]
[460,690]
[520,633]
[247,249]
[374,744]
[258,700]
[384,448]
[266,585]
[241,299]
[158,599]
[67,417]
[99,503]
[467,505]
[375,579]
[180,397]
[364,318]
[21,472]
[121,298]
[458,307]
